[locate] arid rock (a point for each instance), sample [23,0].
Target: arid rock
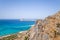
[46,29]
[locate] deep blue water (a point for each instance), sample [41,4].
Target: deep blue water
[13,26]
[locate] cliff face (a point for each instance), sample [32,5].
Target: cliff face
[47,29]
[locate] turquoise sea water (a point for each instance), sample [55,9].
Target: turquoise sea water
[14,26]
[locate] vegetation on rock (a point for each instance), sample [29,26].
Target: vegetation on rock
[26,38]
[12,37]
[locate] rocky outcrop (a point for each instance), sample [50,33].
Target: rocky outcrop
[46,29]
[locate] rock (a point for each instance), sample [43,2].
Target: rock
[46,29]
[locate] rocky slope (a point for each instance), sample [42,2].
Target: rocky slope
[47,29]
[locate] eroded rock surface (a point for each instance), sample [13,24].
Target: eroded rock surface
[46,29]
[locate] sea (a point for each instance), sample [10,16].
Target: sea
[8,27]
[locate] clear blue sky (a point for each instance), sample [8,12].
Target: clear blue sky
[28,9]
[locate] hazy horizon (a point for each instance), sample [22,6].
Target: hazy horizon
[28,9]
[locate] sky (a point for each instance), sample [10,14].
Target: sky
[28,9]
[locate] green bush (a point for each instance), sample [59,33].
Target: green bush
[26,38]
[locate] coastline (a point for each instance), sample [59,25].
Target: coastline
[4,36]
[11,34]
[15,33]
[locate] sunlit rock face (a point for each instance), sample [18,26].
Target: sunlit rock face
[46,29]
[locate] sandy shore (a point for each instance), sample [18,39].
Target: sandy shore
[4,36]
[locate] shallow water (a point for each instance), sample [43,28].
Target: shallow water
[13,26]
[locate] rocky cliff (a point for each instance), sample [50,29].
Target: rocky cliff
[47,29]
